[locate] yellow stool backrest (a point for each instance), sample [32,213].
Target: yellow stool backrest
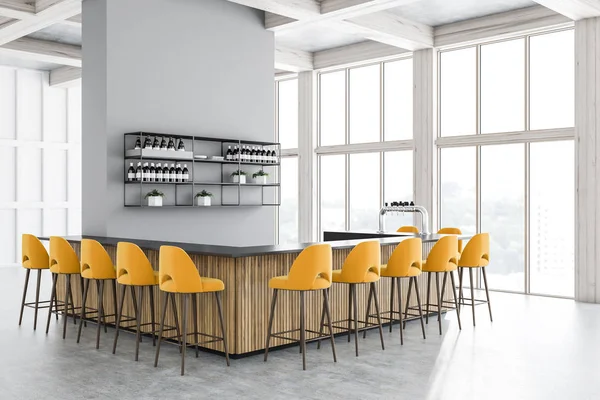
[95,258]
[408,229]
[476,252]
[363,264]
[442,256]
[63,259]
[177,272]
[133,267]
[453,231]
[34,254]
[408,253]
[313,264]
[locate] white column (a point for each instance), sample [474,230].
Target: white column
[424,130]
[307,141]
[587,169]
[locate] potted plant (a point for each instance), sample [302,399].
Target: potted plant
[260,177]
[203,198]
[238,176]
[155,198]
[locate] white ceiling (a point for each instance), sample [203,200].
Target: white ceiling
[21,62]
[62,33]
[314,37]
[441,12]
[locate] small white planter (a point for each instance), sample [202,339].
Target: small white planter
[155,201]
[203,201]
[262,180]
[239,179]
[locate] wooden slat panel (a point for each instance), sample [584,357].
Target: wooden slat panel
[247,297]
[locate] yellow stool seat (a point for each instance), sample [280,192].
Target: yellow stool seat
[128,280]
[206,285]
[29,264]
[408,229]
[412,271]
[284,283]
[338,277]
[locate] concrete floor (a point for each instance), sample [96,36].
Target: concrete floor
[537,348]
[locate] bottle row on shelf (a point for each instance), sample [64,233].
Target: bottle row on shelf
[158,173]
[252,154]
[150,144]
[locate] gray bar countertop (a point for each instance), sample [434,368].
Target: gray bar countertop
[247,251]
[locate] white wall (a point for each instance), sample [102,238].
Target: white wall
[174,66]
[40,159]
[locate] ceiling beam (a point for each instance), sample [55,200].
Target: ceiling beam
[573,9]
[333,10]
[525,20]
[293,60]
[65,77]
[17,9]
[52,14]
[296,9]
[354,53]
[43,51]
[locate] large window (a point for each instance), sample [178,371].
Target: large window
[365,137]
[286,129]
[40,159]
[506,156]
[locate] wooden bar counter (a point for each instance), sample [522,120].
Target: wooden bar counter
[246,272]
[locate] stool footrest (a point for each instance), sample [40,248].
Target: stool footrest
[319,335]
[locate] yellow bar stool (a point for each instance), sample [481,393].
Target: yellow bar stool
[135,271]
[405,262]
[453,231]
[475,255]
[311,271]
[178,274]
[408,229]
[442,260]
[362,266]
[34,257]
[63,261]
[97,266]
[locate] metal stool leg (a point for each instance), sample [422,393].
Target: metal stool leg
[439,300]
[428,297]
[374,292]
[195,318]
[37,298]
[100,312]
[355,305]
[487,293]
[184,315]
[52,302]
[174,306]
[419,305]
[455,300]
[152,314]
[368,310]
[460,286]
[83,303]
[162,325]
[472,293]
[410,282]
[68,278]
[350,290]
[321,325]
[392,303]
[273,301]
[138,321]
[70,293]
[24,294]
[328,312]
[223,331]
[120,315]
[302,330]
[400,310]
[445,274]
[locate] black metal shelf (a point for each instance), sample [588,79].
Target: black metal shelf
[191,206]
[203,183]
[200,160]
[203,138]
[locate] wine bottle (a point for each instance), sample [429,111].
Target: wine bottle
[138,172]
[148,143]
[171,145]
[138,143]
[181,146]
[229,155]
[236,154]
[263,156]
[253,154]
[145,172]
[275,158]
[186,173]
[152,172]
[179,174]
[243,154]
[163,144]
[166,173]
[159,173]
[131,173]
[268,157]
[155,145]
[172,173]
